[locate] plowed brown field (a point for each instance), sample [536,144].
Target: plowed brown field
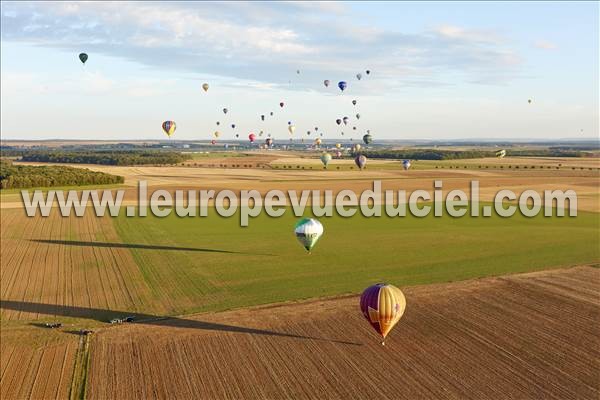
[521,337]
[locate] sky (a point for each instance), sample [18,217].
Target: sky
[438,70]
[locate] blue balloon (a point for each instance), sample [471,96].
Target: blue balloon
[342,85]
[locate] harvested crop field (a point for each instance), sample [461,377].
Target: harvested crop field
[522,336]
[42,373]
[38,266]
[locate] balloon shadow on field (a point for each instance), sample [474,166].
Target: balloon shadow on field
[102,315]
[136,246]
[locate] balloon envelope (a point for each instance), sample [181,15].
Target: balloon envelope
[359,76]
[342,85]
[353,102]
[338,121]
[382,305]
[345,119]
[367,138]
[326,82]
[281,104]
[406,164]
[308,231]
[83,57]
[169,127]
[501,153]
[205,87]
[360,161]
[225,111]
[325,158]
[252,137]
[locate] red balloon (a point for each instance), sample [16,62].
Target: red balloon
[252,137]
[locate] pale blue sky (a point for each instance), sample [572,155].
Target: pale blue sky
[439,69]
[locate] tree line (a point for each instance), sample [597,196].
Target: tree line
[105,158]
[26,176]
[438,154]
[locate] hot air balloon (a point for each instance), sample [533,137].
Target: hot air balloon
[338,154]
[83,57]
[501,153]
[289,122]
[359,76]
[169,127]
[342,133]
[271,113]
[308,133]
[225,111]
[218,123]
[326,82]
[321,134]
[353,128]
[252,137]
[262,117]
[232,126]
[357,116]
[217,134]
[342,85]
[298,71]
[318,141]
[308,231]
[317,128]
[345,120]
[213,141]
[338,121]
[205,87]
[237,135]
[281,104]
[357,147]
[325,158]
[368,72]
[368,138]
[360,161]
[260,133]
[383,306]
[353,102]
[406,164]
[268,142]
[291,128]
[529,101]
[338,145]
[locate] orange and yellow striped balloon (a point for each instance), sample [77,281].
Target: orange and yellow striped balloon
[383,305]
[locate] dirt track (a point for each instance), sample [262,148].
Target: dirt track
[525,336]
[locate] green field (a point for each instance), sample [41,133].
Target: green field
[210,263]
